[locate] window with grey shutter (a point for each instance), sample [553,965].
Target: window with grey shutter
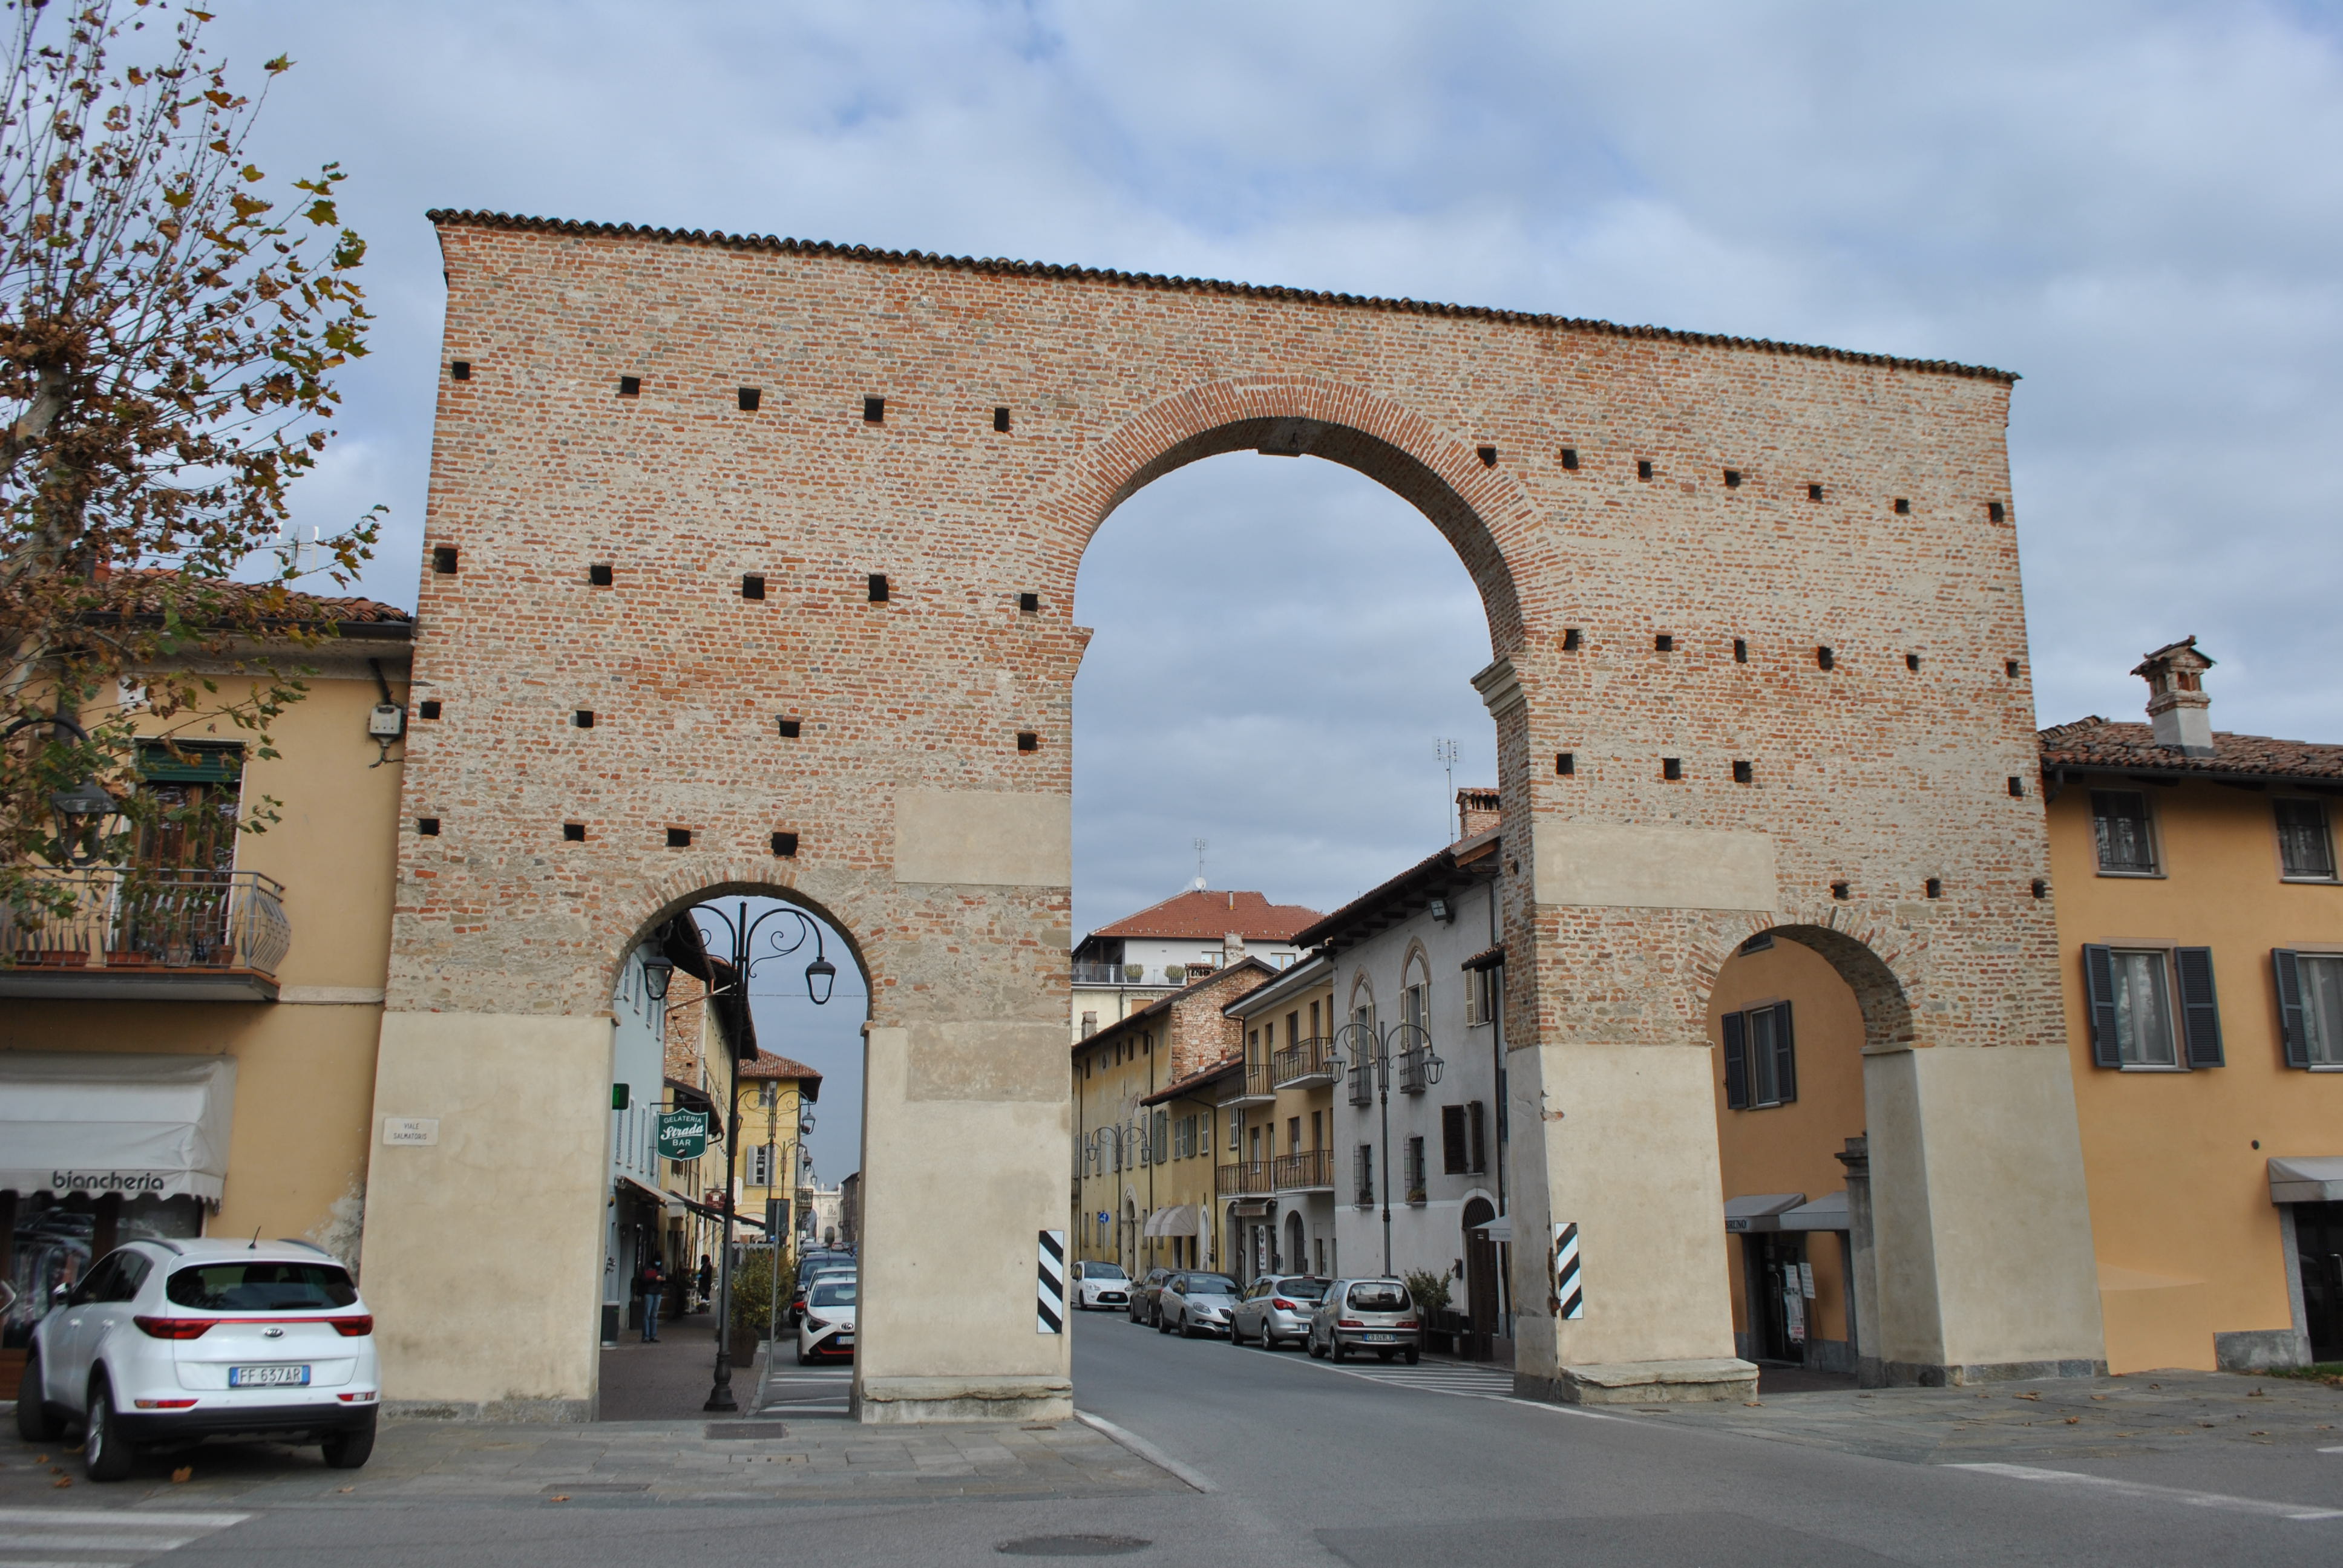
[2099,989]
[2119,821]
[1477,1141]
[2304,847]
[2200,1006]
[1786,1056]
[2310,1007]
[2131,994]
[2293,1024]
[1162,1136]
[1737,1063]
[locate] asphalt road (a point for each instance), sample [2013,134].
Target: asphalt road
[1298,1462]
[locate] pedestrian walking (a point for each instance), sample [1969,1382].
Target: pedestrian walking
[652,1282]
[707,1281]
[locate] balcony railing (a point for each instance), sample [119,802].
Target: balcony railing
[1242,1180]
[1119,974]
[1306,1172]
[134,924]
[1363,1085]
[1305,1065]
[1251,1088]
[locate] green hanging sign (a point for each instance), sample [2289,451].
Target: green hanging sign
[682,1134]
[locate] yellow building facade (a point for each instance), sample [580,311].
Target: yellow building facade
[231,983]
[2200,923]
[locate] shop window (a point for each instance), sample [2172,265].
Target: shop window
[1761,1058]
[2310,1006]
[2305,849]
[2134,1020]
[2126,842]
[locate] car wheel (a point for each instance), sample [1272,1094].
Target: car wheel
[1334,1350]
[1316,1353]
[1162,1323]
[1268,1340]
[37,1418]
[1414,1357]
[349,1449]
[103,1454]
[1235,1338]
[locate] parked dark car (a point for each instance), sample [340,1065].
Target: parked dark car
[1145,1297]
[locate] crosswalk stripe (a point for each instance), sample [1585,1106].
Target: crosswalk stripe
[60,1518]
[57,1563]
[83,1530]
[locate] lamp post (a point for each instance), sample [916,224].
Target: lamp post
[1371,1051]
[82,810]
[820,975]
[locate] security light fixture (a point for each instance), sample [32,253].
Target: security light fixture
[1440,912]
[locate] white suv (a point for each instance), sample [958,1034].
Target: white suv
[169,1343]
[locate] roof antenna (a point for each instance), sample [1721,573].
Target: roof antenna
[254,1245]
[1200,865]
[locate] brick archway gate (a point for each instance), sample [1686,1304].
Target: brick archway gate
[800,525]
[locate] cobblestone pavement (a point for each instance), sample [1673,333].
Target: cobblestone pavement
[2108,1417]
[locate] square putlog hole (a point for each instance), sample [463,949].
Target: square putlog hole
[1028,741]
[630,386]
[583,719]
[461,370]
[789,727]
[874,410]
[679,838]
[428,826]
[601,573]
[750,397]
[443,560]
[428,707]
[1672,768]
[785,845]
[573,832]
[1744,773]
[752,585]
[1000,421]
[1029,604]
[879,588]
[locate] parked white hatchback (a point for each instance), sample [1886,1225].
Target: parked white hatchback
[166,1343]
[1100,1287]
[826,1332]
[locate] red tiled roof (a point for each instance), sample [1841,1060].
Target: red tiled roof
[447,217]
[768,1065]
[2105,743]
[1207,916]
[297,606]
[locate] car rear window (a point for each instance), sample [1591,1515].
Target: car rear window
[260,1287]
[832,1293]
[1379,1296]
[1210,1285]
[1302,1290]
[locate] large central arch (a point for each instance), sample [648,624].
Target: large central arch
[1790,573]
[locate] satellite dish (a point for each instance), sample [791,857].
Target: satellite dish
[1198,884]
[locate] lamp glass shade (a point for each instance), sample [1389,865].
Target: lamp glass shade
[821,977]
[82,812]
[658,971]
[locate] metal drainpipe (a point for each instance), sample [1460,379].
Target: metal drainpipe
[1497,1029]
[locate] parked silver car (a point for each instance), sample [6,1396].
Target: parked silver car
[1193,1304]
[1375,1315]
[1275,1310]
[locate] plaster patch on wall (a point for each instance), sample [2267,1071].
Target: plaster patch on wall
[981,837]
[344,1226]
[1612,865]
[988,1061]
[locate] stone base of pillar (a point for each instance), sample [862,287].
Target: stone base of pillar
[1872,1374]
[1692,1382]
[897,1400]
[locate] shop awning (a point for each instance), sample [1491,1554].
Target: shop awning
[1178,1221]
[2301,1179]
[100,1122]
[1760,1211]
[1500,1230]
[1827,1212]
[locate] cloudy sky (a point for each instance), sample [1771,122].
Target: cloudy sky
[2135,206]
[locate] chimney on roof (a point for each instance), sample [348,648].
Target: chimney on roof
[2177,708]
[1232,949]
[1476,811]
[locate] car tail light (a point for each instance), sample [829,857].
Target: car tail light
[351,1328]
[361,1397]
[163,1403]
[1349,1324]
[173,1328]
[1283,1305]
[1407,1323]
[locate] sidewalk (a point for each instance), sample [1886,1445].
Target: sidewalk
[668,1381]
[2070,1418]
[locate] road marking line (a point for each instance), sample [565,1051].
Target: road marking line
[1421,1386]
[1148,1450]
[119,1516]
[2161,1493]
[56,1563]
[2331,1451]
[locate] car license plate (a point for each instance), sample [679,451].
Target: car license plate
[279,1376]
[843,1341]
[1381,1339]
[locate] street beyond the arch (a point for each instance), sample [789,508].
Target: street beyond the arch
[1187,1451]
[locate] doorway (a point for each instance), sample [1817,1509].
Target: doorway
[2318,1252]
[1777,1273]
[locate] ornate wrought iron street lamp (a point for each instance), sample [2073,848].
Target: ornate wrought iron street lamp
[821,976]
[1377,1050]
[82,809]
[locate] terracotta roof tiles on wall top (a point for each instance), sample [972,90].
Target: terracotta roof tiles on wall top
[1200,915]
[448,216]
[2096,743]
